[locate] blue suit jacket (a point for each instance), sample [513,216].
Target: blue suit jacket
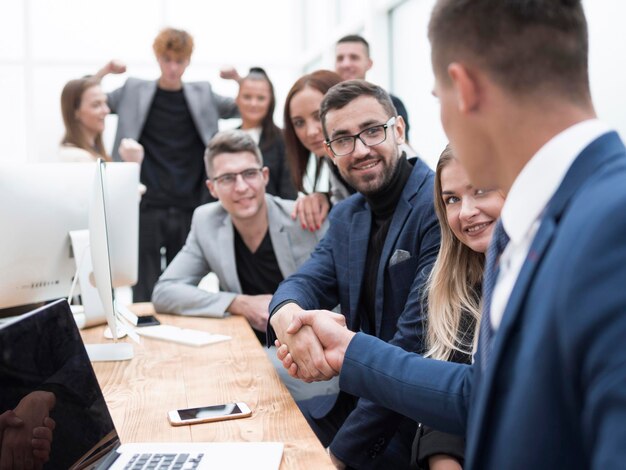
[334,276]
[554,393]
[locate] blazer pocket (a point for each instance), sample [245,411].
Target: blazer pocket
[403,272]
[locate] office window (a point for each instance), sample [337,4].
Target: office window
[411,76]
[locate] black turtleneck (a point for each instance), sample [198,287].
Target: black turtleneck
[383,205]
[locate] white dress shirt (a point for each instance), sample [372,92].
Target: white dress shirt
[316,178]
[531,191]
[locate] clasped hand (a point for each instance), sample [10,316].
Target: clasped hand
[26,432]
[314,345]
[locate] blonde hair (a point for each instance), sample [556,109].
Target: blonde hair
[454,285]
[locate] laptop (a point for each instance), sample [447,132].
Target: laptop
[43,351]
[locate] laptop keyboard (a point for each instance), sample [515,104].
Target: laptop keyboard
[164,461]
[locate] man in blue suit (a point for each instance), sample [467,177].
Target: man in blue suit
[548,386]
[379,248]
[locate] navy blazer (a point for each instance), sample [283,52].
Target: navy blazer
[334,275]
[554,393]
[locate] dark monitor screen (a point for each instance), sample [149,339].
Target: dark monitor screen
[42,353]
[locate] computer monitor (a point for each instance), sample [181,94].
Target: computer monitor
[101,213]
[39,205]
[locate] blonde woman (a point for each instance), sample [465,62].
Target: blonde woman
[467,216]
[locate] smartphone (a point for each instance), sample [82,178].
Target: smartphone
[207,414]
[147,320]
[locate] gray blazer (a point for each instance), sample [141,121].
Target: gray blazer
[132,102]
[210,247]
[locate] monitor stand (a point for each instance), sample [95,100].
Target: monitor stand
[92,312]
[106,352]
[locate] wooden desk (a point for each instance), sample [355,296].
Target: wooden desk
[164,376]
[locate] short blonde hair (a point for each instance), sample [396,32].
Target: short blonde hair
[177,41]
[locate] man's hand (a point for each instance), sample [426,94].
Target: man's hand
[131,150]
[228,72]
[443,462]
[311,210]
[19,449]
[254,307]
[330,330]
[305,350]
[9,419]
[42,440]
[113,66]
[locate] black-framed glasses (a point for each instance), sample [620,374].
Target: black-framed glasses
[228,180]
[371,136]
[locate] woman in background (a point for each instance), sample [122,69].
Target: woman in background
[256,103]
[467,216]
[313,174]
[84,109]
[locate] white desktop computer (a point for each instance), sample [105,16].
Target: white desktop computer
[40,204]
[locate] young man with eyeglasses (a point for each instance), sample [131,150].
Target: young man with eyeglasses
[375,257]
[247,238]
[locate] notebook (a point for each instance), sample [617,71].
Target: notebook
[43,351]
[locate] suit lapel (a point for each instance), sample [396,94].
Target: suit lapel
[193,103]
[146,95]
[280,239]
[357,254]
[597,154]
[480,405]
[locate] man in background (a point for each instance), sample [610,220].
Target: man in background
[353,61]
[173,121]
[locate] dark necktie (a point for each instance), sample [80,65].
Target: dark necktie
[499,241]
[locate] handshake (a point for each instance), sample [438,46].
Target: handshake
[311,343]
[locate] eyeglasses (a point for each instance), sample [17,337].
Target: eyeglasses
[228,180]
[371,136]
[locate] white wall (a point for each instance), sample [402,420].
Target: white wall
[397,32]
[412,77]
[45,43]
[607,60]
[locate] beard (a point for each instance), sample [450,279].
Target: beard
[371,183]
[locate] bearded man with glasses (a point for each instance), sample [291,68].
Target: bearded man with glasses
[247,238]
[373,262]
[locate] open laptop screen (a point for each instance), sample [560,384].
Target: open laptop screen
[42,353]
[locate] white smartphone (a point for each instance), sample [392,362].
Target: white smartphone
[207,414]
